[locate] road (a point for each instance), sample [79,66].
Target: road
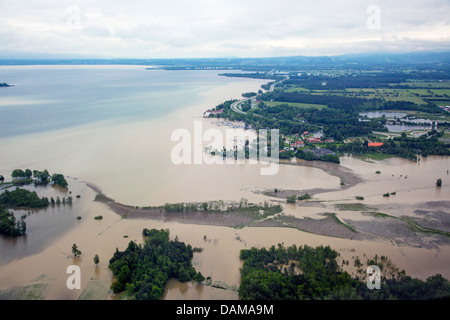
[234,105]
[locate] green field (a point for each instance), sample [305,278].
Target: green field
[426,84]
[297,89]
[416,93]
[442,103]
[295,104]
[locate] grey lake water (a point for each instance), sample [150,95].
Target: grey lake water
[47,98]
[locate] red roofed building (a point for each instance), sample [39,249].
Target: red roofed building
[375,144]
[314,140]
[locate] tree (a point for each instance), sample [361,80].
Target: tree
[96,259]
[18,173]
[28,173]
[439,182]
[59,179]
[291,199]
[75,250]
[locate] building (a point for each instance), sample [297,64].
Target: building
[212,112]
[314,140]
[298,144]
[375,144]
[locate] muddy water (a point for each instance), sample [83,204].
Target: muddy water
[43,257]
[413,182]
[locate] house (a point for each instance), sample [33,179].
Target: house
[314,140]
[212,112]
[299,144]
[375,144]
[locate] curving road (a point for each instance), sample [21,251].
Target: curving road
[234,105]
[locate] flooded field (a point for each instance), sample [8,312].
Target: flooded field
[35,265]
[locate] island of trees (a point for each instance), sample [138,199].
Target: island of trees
[26,176]
[20,198]
[293,273]
[9,225]
[143,270]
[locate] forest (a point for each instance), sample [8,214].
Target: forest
[306,273]
[142,271]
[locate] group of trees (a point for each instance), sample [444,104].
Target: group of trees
[76,252]
[310,156]
[313,273]
[9,225]
[22,198]
[59,179]
[143,270]
[39,177]
[293,198]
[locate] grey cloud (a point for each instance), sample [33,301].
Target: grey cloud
[222,28]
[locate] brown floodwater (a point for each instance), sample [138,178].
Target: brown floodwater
[43,256]
[132,164]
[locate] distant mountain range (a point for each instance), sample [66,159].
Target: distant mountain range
[417,59]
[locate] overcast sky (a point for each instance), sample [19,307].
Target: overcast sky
[228,28]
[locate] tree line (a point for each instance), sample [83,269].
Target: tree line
[22,198]
[39,177]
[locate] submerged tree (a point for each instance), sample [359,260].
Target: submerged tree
[75,250]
